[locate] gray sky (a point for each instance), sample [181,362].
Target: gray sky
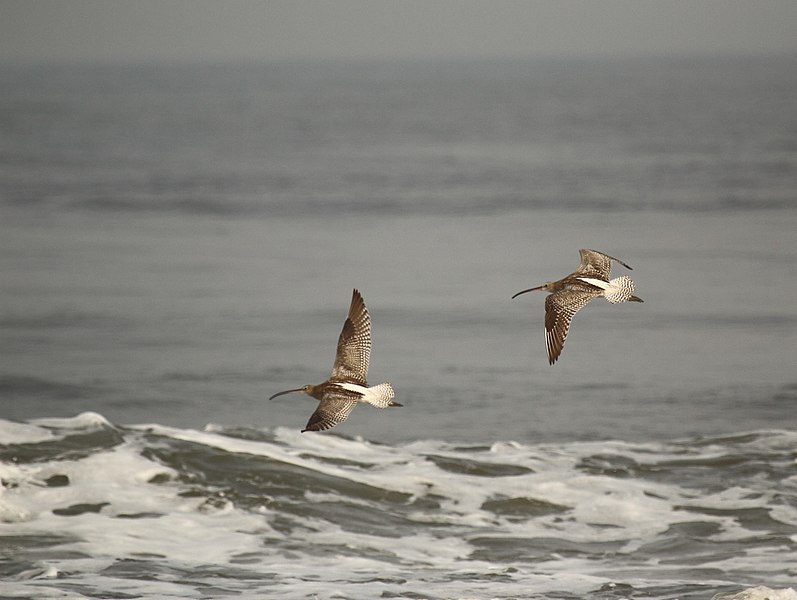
[136,30]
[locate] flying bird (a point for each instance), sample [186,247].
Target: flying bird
[569,294]
[347,385]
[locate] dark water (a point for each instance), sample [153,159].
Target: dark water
[178,243]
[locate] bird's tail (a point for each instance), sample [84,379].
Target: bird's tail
[381,396]
[620,289]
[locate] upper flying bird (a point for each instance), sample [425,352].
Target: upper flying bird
[571,293]
[347,385]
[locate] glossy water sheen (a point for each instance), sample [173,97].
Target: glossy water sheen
[178,244]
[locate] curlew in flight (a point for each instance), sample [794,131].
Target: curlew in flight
[571,293]
[347,384]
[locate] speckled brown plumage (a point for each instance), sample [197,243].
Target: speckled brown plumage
[354,345]
[571,293]
[348,383]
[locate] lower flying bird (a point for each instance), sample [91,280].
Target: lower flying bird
[347,384]
[571,293]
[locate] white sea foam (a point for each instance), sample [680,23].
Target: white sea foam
[759,593]
[116,482]
[22,433]
[85,420]
[445,519]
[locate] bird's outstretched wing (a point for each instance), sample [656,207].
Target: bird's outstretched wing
[331,411]
[596,264]
[354,345]
[559,310]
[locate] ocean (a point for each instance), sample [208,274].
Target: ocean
[180,242]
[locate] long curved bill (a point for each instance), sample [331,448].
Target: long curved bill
[286,392]
[534,289]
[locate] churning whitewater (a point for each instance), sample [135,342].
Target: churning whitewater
[95,510]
